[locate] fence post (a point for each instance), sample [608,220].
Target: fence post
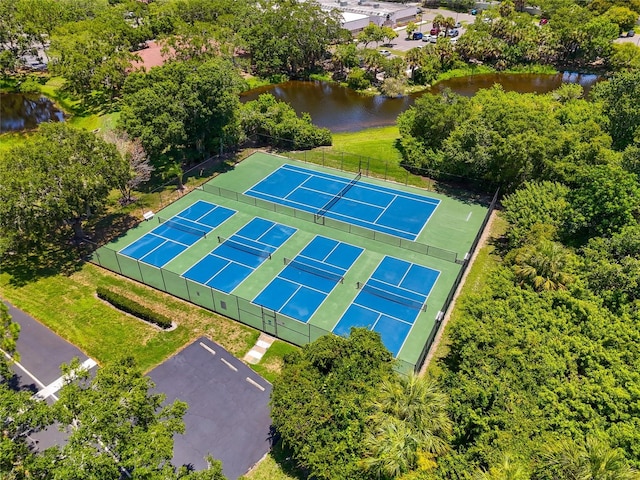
[386,167]
[406,178]
[323,157]
[341,160]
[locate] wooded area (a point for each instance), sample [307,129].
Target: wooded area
[540,377]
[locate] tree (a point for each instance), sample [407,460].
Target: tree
[622,16]
[321,402]
[183,107]
[543,266]
[59,178]
[618,97]
[410,28]
[139,168]
[9,332]
[535,203]
[289,37]
[592,459]
[371,33]
[409,419]
[276,123]
[604,201]
[94,55]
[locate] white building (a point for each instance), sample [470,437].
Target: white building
[380,13]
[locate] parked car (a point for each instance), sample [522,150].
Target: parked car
[417,35]
[454,32]
[433,38]
[630,33]
[434,31]
[385,53]
[426,38]
[474,12]
[453,41]
[458,25]
[544,21]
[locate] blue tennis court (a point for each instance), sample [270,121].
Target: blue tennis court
[231,262]
[370,206]
[305,282]
[390,301]
[173,236]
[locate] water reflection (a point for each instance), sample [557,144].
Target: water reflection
[342,110]
[24,112]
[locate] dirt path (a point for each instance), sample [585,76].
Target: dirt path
[436,342]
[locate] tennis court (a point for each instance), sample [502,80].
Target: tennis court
[174,235]
[367,205]
[238,256]
[390,301]
[307,280]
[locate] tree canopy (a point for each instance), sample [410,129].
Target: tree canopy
[55,181]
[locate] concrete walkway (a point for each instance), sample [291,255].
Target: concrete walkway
[259,349]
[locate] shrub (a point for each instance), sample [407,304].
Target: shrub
[134,308]
[357,79]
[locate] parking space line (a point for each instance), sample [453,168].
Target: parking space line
[19,365]
[255,384]
[208,348]
[57,384]
[229,365]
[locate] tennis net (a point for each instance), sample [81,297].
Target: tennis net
[180,226]
[320,213]
[245,248]
[334,277]
[392,297]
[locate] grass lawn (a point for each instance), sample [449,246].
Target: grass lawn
[375,150]
[67,304]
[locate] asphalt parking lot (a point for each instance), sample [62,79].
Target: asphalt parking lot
[41,354]
[228,415]
[403,44]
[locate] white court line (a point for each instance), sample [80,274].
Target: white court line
[57,384]
[468,216]
[208,348]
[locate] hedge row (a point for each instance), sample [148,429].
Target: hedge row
[130,306]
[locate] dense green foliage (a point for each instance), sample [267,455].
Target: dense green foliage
[276,123]
[114,426]
[56,180]
[182,107]
[344,413]
[134,308]
[543,365]
[9,332]
[505,139]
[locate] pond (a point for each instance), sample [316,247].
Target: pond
[25,111]
[343,110]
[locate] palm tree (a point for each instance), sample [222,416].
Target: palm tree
[543,266]
[409,421]
[448,23]
[593,459]
[508,469]
[438,20]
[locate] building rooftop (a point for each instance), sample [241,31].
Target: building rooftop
[366,7]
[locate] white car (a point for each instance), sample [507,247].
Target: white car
[385,53]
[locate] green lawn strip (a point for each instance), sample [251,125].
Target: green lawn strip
[374,151]
[486,260]
[271,362]
[277,465]
[68,305]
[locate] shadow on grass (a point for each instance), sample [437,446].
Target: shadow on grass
[56,256]
[283,457]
